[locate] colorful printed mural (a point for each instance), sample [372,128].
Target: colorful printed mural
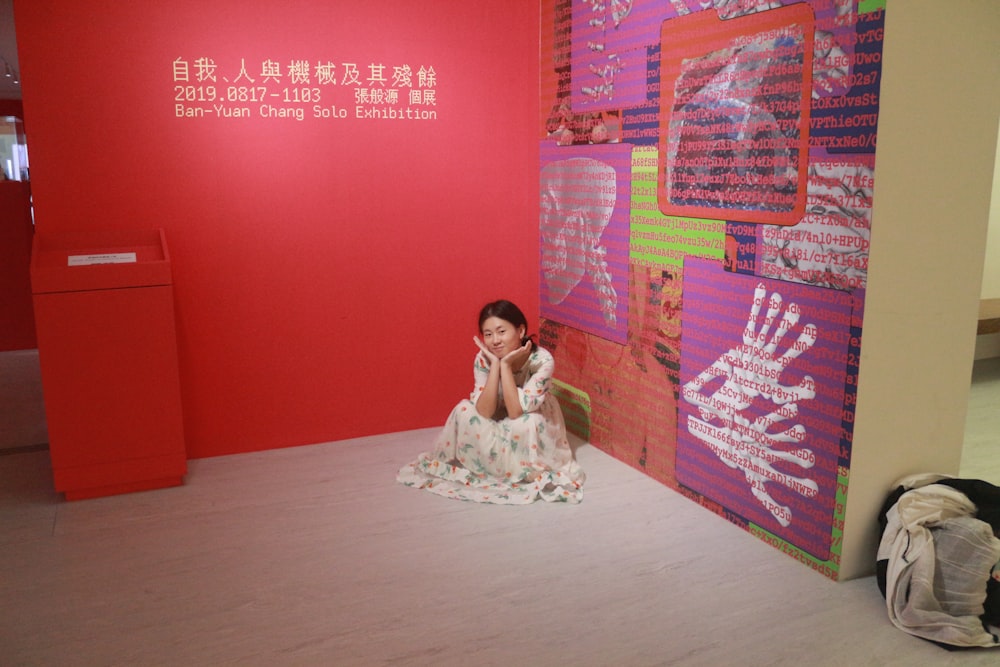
[707,172]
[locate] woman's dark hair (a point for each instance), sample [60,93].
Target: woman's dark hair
[508,312]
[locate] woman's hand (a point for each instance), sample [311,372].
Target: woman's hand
[489,397]
[514,360]
[490,357]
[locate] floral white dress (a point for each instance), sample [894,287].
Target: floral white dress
[502,460]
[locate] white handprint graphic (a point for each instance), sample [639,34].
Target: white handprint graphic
[752,371]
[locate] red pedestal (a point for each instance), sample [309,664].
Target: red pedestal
[108,352]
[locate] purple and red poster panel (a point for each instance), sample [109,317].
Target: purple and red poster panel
[762,399]
[584,203]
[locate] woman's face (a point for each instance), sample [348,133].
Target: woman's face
[501,337]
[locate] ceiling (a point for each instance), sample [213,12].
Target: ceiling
[8,52]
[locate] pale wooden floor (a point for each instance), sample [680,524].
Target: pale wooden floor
[314,556]
[981,446]
[22,410]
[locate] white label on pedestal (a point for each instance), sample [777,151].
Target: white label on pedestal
[109,258]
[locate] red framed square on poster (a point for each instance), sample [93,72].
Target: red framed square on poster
[734,115]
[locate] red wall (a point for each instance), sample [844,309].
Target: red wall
[17,320]
[327,272]
[11,108]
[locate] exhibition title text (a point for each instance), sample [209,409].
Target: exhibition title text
[300,89]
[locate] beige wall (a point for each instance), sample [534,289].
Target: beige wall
[937,138]
[988,345]
[991,269]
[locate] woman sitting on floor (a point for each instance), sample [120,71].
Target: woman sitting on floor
[507,443]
